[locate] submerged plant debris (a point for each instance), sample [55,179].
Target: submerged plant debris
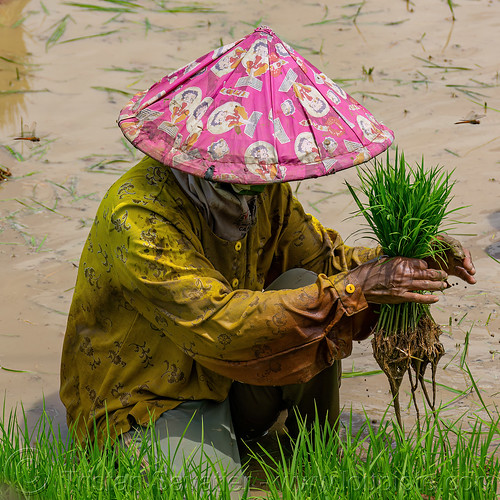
[5,173]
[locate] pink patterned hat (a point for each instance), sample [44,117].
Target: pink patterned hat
[252,112]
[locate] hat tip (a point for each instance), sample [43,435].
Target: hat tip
[265,29]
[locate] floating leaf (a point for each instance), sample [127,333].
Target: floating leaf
[58,32]
[14,371]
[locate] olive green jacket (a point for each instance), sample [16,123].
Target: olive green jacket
[165,311]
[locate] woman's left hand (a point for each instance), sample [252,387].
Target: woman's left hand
[457,260]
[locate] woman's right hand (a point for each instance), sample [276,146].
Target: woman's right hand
[398,279]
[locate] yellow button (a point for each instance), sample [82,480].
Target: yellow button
[350,288]
[234,283]
[237,246]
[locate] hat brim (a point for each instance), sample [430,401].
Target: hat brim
[253,112]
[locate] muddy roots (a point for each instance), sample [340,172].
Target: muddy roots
[412,352]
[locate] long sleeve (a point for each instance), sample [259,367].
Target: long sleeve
[165,311]
[273,337]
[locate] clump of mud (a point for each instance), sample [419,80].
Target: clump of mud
[5,173]
[410,352]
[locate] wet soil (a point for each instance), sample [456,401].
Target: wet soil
[417,70]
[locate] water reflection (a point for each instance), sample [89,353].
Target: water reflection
[14,60]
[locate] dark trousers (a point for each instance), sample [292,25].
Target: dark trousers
[254,409]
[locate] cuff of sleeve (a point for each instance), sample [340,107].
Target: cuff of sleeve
[350,293]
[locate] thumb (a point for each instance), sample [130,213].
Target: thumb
[453,245]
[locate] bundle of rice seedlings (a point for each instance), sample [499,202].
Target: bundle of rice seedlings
[406,209]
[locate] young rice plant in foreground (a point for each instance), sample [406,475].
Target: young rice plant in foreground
[377,462]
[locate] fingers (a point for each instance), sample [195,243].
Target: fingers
[428,285]
[427,279]
[400,279]
[465,270]
[420,278]
[467,264]
[465,275]
[459,260]
[430,274]
[455,246]
[420,298]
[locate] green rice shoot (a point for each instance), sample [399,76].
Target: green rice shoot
[406,209]
[446,459]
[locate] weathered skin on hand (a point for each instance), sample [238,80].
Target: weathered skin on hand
[458,260]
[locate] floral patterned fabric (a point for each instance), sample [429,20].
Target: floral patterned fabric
[166,311]
[252,112]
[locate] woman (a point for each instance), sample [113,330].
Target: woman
[206,297]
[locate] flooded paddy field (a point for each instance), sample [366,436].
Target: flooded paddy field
[430,72]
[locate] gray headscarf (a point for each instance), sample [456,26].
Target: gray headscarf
[228,214]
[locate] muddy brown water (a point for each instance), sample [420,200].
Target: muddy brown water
[417,70]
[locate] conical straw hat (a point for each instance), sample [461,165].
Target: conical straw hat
[252,112]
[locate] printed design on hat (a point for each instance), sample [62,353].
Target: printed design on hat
[210,113]
[301,64]
[181,159]
[332,96]
[131,129]
[169,129]
[289,80]
[361,153]
[335,126]
[287,107]
[311,99]
[172,78]
[345,119]
[143,103]
[222,50]
[352,146]
[183,103]
[234,92]
[370,131]
[331,125]
[373,119]
[194,123]
[261,159]
[256,60]
[218,149]
[232,115]
[328,81]
[318,79]
[280,50]
[279,131]
[190,66]
[330,145]
[138,100]
[329,163]
[228,63]
[362,156]
[306,148]
[146,115]
[354,105]
[256,63]
[276,64]
[385,134]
